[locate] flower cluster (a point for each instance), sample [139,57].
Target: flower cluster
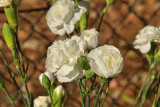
[106,61]
[145,37]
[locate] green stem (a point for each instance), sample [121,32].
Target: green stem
[156,93]
[20,92]
[88,100]
[104,11]
[9,97]
[107,90]
[81,94]
[50,95]
[99,93]
[13,78]
[143,86]
[27,92]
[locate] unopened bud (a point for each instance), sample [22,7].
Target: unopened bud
[58,96]
[9,37]
[83,62]
[89,73]
[46,82]
[12,15]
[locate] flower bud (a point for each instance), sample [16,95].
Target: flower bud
[89,73]
[46,82]
[91,37]
[9,37]
[83,62]
[109,1]
[83,22]
[2,85]
[49,75]
[12,15]
[58,96]
[42,101]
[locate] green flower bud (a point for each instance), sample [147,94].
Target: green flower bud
[53,2]
[89,73]
[12,15]
[83,62]
[9,37]
[58,96]
[2,85]
[109,1]
[46,82]
[83,22]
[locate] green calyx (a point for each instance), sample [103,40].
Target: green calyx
[89,73]
[83,62]
[46,82]
[11,13]
[9,38]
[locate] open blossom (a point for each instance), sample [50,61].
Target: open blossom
[106,61]
[42,101]
[144,38]
[62,16]
[62,57]
[91,37]
[48,74]
[4,3]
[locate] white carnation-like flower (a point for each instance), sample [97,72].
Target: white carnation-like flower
[4,3]
[144,38]
[62,57]
[42,101]
[62,16]
[48,74]
[106,61]
[91,37]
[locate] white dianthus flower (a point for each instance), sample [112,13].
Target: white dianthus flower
[91,37]
[144,38]
[62,57]
[106,61]
[42,101]
[48,74]
[4,3]
[62,16]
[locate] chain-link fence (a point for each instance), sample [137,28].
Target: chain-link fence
[119,28]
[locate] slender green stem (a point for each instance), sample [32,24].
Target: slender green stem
[81,94]
[27,92]
[88,100]
[155,93]
[99,93]
[9,97]
[13,78]
[50,95]
[107,90]
[99,26]
[143,86]
[20,92]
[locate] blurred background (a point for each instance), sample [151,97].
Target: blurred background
[121,23]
